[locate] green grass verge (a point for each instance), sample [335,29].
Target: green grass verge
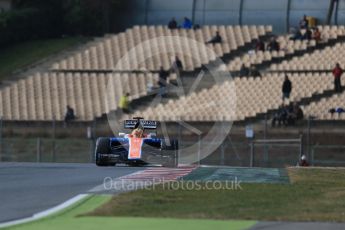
[23,54]
[313,195]
[70,219]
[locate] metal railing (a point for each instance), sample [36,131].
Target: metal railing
[327,155]
[285,143]
[56,143]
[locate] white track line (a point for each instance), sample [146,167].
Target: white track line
[45,213]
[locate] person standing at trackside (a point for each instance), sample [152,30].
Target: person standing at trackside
[124,103]
[337,72]
[286,88]
[162,82]
[303,161]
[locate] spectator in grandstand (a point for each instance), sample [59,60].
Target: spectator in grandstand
[290,114]
[149,87]
[303,24]
[337,72]
[338,110]
[244,71]
[254,72]
[172,24]
[216,39]
[280,116]
[69,116]
[177,65]
[286,88]
[295,113]
[196,27]
[307,35]
[163,75]
[298,112]
[260,45]
[332,111]
[317,35]
[187,23]
[124,103]
[273,45]
[297,35]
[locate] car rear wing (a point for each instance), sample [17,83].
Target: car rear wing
[147,124]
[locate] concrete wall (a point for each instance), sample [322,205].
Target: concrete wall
[315,8]
[271,12]
[5,5]
[282,14]
[341,12]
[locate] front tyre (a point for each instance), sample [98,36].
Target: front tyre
[102,148]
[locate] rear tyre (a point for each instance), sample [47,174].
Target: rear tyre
[102,147]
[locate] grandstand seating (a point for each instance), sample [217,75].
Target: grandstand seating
[287,47]
[253,58]
[331,32]
[318,60]
[239,99]
[45,96]
[320,109]
[105,53]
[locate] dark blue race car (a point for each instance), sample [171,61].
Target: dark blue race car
[137,148]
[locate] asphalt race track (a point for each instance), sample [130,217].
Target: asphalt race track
[28,188]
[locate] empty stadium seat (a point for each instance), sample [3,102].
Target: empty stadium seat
[239,99]
[44,96]
[109,52]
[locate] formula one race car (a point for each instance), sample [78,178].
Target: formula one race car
[136,148]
